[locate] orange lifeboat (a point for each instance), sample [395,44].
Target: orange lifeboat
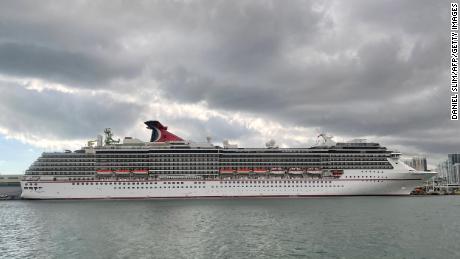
[277,170]
[296,170]
[122,172]
[243,171]
[260,171]
[226,171]
[104,172]
[140,172]
[337,173]
[314,170]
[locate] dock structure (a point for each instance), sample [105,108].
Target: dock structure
[439,185]
[10,186]
[10,180]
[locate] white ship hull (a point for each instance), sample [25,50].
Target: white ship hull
[385,184]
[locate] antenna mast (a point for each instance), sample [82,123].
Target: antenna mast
[109,137]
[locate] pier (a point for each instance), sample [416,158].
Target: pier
[438,186]
[10,187]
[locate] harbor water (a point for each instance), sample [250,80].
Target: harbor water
[339,227]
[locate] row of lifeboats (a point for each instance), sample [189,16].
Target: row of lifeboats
[122,172]
[276,170]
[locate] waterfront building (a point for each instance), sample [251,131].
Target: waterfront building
[10,180]
[10,186]
[453,158]
[456,173]
[418,163]
[449,170]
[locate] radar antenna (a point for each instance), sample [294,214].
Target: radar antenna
[109,137]
[271,144]
[324,139]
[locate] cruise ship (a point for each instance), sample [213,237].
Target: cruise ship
[169,167]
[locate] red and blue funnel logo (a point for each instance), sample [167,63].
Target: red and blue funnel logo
[160,133]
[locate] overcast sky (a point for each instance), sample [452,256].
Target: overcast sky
[247,71]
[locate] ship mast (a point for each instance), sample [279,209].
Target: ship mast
[109,137]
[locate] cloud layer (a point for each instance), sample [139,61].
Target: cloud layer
[243,70]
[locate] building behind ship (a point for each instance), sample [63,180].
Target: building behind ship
[449,170]
[418,163]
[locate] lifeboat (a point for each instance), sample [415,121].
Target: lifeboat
[296,170]
[337,173]
[260,171]
[277,170]
[226,171]
[314,170]
[140,171]
[122,172]
[104,172]
[243,171]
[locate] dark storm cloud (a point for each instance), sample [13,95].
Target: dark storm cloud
[60,66]
[53,114]
[355,68]
[438,142]
[413,17]
[251,37]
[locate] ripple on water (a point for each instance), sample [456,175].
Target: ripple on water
[383,227]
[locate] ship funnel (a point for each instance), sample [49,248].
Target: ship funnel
[160,133]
